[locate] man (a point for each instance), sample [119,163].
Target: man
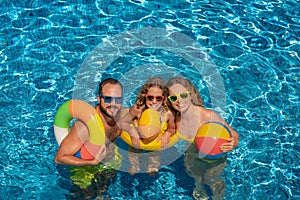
[109,108]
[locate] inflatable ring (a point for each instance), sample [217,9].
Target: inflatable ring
[151,146]
[87,114]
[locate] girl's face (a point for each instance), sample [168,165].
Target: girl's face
[179,97]
[154,98]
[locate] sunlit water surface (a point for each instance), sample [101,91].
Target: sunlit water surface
[255,47]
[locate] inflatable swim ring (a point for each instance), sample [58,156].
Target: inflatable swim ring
[87,114]
[209,138]
[150,128]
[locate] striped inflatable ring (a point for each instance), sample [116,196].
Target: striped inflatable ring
[87,114]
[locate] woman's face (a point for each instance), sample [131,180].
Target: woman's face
[179,97]
[154,98]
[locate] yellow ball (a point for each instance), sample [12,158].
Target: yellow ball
[149,123]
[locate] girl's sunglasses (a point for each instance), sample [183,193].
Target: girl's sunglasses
[173,98]
[109,99]
[151,98]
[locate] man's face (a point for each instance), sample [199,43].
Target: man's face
[110,100]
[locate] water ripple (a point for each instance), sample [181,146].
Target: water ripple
[254,44]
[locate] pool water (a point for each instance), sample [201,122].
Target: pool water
[243,56]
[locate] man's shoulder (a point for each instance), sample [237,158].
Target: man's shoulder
[80,126]
[124,111]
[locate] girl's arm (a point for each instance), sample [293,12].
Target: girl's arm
[165,138]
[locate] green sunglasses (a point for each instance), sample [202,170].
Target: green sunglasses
[173,98]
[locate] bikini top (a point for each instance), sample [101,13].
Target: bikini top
[182,137]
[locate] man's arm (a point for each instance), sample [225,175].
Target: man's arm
[78,135]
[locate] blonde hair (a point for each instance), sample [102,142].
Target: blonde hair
[195,96]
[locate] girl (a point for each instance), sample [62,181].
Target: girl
[153,95]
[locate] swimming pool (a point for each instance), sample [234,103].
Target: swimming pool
[254,46]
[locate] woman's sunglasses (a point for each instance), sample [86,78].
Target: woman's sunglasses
[109,99]
[151,98]
[173,98]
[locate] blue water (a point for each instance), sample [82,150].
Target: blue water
[249,73]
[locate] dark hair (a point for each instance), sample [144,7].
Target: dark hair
[108,81]
[195,96]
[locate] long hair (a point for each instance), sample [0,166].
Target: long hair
[195,96]
[152,82]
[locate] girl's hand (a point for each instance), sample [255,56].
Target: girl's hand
[135,141]
[165,139]
[228,146]
[136,111]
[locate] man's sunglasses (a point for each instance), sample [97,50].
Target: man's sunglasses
[173,98]
[109,99]
[151,98]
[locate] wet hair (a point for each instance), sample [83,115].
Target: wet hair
[108,81]
[195,96]
[152,82]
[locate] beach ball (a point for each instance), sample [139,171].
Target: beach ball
[210,136]
[88,151]
[149,123]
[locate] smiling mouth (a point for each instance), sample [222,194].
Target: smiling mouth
[113,109]
[180,105]
[154,107]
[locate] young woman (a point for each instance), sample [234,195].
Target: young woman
[190,115]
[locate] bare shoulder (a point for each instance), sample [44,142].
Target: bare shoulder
[206,112]
[79,129]
[80,126]
[207,115]
[170,114]
[124,110]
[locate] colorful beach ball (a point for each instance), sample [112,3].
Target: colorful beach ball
[210,137]
[149,123]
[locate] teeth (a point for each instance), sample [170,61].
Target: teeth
[154,107]
[180,105]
